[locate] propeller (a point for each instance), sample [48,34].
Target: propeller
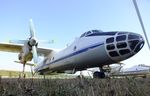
[33,43]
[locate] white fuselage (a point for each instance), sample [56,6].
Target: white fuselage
[84,52]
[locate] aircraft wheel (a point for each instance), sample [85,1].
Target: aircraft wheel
[41,73]
[99,75]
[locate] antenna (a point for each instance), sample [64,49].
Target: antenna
[141,22]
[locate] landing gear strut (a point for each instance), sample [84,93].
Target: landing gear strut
[23,72]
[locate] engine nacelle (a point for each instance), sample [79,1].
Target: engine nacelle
[26,54]
[20,55]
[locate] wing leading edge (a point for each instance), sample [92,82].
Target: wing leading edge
[17,48]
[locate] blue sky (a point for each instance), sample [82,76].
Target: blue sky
[63,20]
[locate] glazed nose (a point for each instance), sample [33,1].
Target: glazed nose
[123,45]
[136,42]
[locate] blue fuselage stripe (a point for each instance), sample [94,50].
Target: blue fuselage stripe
[76,53]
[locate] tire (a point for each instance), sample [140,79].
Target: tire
[99,75]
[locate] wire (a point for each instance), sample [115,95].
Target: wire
[141,22]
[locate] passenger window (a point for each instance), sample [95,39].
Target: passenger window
[113,54]
[121,45]
[125,51]
[110,47]
[110,40]
[121,38]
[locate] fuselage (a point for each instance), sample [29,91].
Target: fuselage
[93,49]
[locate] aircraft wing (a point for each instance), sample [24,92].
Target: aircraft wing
[17,48]
[8,47]
[44,51]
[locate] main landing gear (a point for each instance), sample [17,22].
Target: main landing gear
[99,74]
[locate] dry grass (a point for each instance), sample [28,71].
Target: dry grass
[75,87]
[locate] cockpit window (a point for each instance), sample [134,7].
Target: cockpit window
[102,34]
[110,40]
[86,33]
[89,32]
[83,35]
[121,38]
[97,33]
[132,36]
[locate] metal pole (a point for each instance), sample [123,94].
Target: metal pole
[141,22]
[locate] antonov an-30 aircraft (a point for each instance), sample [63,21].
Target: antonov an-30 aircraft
[93,48]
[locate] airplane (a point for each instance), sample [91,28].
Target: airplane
[140,70]
[93,48]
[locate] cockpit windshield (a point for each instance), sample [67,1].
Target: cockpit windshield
[90,32]
[97,33]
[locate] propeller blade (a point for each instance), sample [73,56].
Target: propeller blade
[32,29]
[34,52]
[46,41]
[18,41]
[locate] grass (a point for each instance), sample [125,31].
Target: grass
[75,87]
[9,73]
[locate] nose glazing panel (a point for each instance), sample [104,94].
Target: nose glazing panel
[136,42]
[125,51]
[121,38]
[110,40]
[139,47]
[122,45]
[110,47]
[133,44]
